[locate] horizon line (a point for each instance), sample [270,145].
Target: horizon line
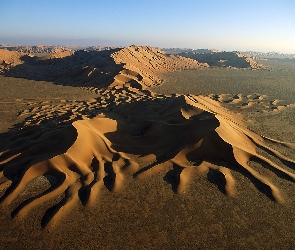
[123,46]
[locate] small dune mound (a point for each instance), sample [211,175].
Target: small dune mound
[252,102]
[177,135]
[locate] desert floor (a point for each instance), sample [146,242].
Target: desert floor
[148,214]
[258,89]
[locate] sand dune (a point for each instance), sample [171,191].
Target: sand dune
[133,66]
[67,152]
[196,135]
[147,62]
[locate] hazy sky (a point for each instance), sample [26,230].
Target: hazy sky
[261,25]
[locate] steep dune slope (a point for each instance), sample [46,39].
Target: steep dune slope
[143,63]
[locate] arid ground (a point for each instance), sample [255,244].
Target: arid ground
[95,156]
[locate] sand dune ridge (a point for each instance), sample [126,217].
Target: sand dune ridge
[197,136]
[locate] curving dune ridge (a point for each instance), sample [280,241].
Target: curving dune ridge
[137,136]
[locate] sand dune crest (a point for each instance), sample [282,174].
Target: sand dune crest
[197,136]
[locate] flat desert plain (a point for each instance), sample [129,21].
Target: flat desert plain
[205,160]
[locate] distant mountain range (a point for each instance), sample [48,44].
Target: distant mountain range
[36,49]
[254,54]
[181,50]
[51,48]
[269,55]
[58,48]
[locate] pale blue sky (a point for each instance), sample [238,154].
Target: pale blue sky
[261,25]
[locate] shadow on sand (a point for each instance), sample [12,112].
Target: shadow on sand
[83,68]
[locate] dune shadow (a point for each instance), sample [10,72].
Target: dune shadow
[82,68]
[173,178]
[219,59]
[217,178]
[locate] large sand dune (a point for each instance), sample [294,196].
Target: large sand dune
[185,135]
[133,66]
[70,151]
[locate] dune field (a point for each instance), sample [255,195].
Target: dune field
[133,148]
